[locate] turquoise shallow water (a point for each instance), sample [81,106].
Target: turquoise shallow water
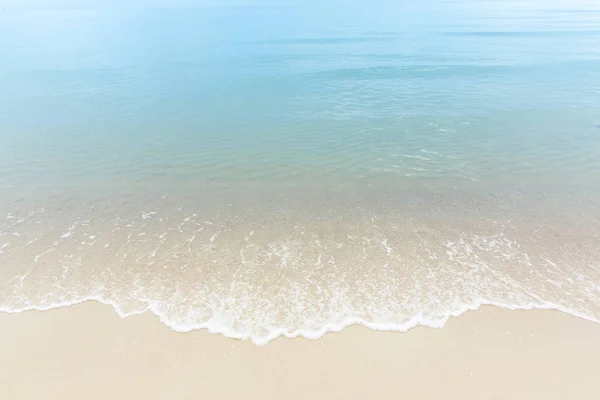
[276,94]
[389,164]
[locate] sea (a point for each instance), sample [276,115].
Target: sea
[289,169]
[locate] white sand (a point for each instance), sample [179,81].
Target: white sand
[88,352]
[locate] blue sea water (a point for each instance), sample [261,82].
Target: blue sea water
[409,141]
[254,94]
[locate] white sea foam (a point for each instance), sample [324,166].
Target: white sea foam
[216,325]
[258,279]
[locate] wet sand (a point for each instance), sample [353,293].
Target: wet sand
[87,351]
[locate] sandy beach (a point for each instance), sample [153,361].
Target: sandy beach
[199,198]
[87,351]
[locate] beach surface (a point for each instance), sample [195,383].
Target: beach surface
[275,174]
[87,351]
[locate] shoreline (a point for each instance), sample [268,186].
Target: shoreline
[329,328]
[247,278]
[88,350]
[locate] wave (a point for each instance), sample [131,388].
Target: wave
[214,327]
[300,273]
